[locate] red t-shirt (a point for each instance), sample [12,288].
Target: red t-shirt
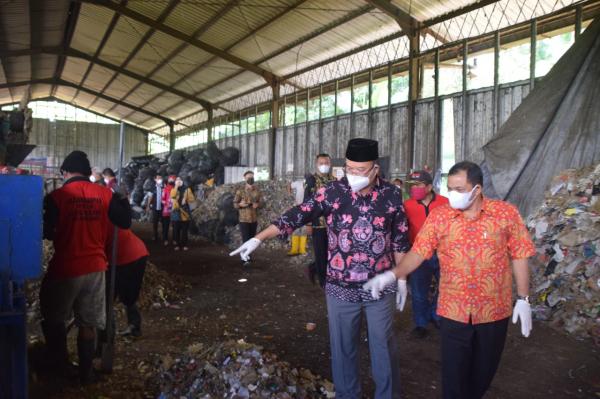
[81,231]
[417,212]
[129,247]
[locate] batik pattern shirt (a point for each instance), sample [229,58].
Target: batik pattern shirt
[475,254]
[364,231]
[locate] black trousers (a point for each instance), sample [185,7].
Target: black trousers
[165,221]
[180,233]
[470,356]
[320,242]
[248,230]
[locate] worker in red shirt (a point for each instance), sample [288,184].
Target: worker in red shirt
[132,256]
[422,201]
[77,218]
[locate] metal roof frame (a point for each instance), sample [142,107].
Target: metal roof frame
[72,18]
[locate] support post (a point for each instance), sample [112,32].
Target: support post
[413,94]
[274,126]
[465,114]
[496,82]
[437,112]
[390,125]
[370,109]
[352,124]
[578,19]
[171,136]
[209,125]
[532,53]
[335,116]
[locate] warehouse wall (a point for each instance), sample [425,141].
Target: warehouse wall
[56,139]
[296,146]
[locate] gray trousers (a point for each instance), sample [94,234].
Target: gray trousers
[344,334]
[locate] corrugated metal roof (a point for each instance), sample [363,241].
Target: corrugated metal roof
[423,10]
[192,70]
[91,25]
[188,17]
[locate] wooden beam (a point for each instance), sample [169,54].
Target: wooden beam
[112,99]
[129,13]
[142,42]
[197,33]
[407,23]
[72,18]
[115,68]
[105,64]
[107,34]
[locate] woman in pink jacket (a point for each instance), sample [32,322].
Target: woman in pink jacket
[167,206]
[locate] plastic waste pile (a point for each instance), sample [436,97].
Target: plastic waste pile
[566,270]
[216,219]
[161,289]
[236,369]
[194,166]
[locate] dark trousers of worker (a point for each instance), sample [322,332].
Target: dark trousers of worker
[320,242]
[165,221]
[248,230]
[424,308]
[344,334]
[128,284]
[470,356]
[180,233]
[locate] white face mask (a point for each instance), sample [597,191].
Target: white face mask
[106,180]
[357,183]
[324,169]
[461,201]
[159,182]
[93,178]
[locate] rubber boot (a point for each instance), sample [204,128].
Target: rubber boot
[86,349]
[302,246]
[55,335]
[295,246]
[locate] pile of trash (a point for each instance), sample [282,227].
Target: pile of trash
[216,219]
[236,369]
[161,289]
[194,166]
[566,269]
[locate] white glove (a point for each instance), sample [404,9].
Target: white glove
[522,311]
[247,248]
[379,282]
[401,295]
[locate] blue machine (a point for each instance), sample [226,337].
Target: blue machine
[21,200]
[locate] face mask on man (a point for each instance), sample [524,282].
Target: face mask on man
[324,169]
[106,180]
[418,193]
[93,178]
[159,182]
[461,201]
[357,182]
[250,181]
[179,183]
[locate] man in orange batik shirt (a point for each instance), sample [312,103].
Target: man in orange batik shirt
[476,239]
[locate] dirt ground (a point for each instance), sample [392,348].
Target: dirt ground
[272,308]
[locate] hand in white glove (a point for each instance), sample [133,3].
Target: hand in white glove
[379,282]
[522,311]
[401,295]
[247,248]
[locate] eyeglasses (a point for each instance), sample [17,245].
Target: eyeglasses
[358,171]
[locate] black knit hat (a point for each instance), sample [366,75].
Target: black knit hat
[362,150]
[77,162]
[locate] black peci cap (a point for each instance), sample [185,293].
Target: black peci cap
[362,150]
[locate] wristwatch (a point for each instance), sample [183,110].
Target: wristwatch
[524,298]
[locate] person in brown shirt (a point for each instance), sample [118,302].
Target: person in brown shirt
[247,200]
